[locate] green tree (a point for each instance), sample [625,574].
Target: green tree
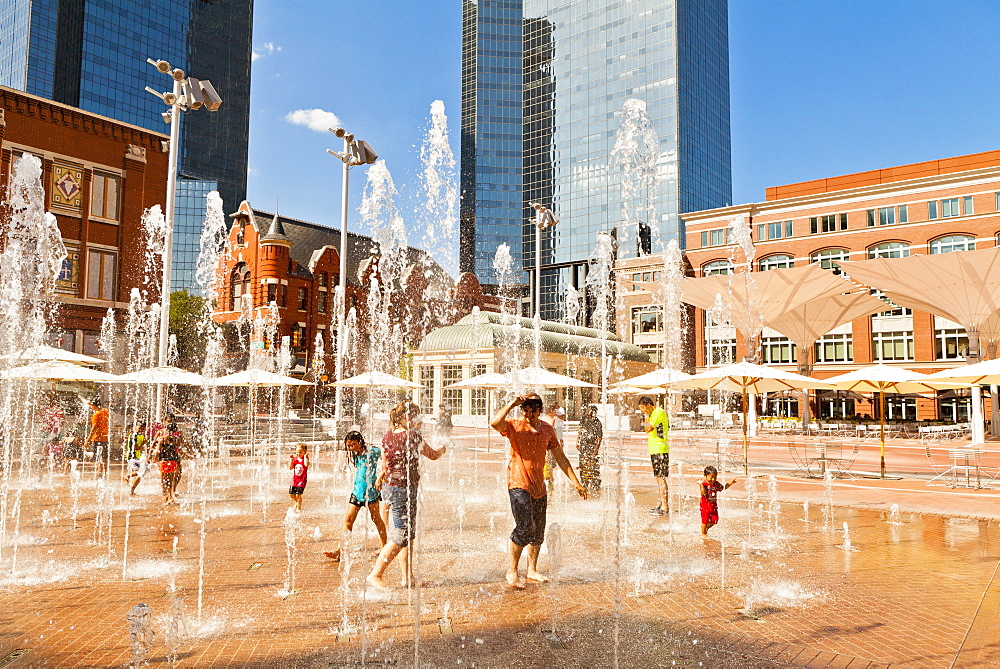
[186,314]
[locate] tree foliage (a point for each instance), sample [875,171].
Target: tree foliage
[186,313]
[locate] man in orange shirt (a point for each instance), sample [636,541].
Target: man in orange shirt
[530,439]
[98,438]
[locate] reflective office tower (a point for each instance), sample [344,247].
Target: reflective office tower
[92,54]
[491,189]
[581,61]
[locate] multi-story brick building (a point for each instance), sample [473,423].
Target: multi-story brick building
[99,176]
[937,206]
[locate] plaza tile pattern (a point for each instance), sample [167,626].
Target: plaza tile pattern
[775,585]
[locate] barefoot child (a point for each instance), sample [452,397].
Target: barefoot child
[299,466]
[365,460]
[710,487]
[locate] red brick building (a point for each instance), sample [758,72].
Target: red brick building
[937,206]
[295,266]
[99,176]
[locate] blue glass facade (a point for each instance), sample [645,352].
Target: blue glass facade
[491,203]
[92,54]
[581,61]
[190,208]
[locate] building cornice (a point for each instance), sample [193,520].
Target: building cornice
[861,193]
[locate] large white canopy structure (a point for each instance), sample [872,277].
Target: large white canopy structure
[753,299]
[963,286]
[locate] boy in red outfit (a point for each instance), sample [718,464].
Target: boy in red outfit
[710,487]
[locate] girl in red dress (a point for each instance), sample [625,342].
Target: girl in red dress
[710,487]
[299,467]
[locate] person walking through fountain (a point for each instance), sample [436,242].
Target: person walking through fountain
[530,440]
[399,473]
[168,448]
[98,437]
[299,466]
[135,456]
[710,487]
[366,462]
[589,443]
[657,427]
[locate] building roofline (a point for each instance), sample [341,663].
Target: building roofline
[61,105]
[870,191]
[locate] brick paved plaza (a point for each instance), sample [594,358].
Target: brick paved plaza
[778,584]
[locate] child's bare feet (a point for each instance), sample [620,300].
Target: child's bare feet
[535,576]
[376,582]
[514,581]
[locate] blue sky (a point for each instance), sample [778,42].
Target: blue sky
[819,88]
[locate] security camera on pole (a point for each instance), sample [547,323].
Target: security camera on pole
[188,93]
[544,218]
[356,152]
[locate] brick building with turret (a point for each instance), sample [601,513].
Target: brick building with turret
[286,271]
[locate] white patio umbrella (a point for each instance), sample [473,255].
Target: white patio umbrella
[746,377]
[164,375]
[58,371]
[884,379]
[632,390]
[259,377]
[979,373]
[378,379]
[43,353]
[660,378]
[488,380]
[538,377]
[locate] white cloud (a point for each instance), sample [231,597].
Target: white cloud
[314,119]
[269,49]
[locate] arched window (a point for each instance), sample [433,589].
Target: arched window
[776,261]
[953,243]
[237,286]
[717,267]
[830,258]
[889,250]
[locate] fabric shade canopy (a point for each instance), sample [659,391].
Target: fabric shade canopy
[43,353]
[378,379]
[536,377]
[987,371]
[659,378]
[487,380]
[164,375]
[755,298]
[258,377]
[58,370]
[963,286]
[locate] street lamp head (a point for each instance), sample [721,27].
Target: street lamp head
[210,97]
[169,99]
[167,117]
[339,132]
[362,153]
[161,65]
[349,137]
[177,74]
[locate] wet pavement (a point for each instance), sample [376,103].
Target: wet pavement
[799,573]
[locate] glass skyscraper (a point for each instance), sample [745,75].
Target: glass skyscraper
[92,54]
[581,61]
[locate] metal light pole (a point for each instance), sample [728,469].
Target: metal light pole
[544,218]
[187,94]
[356,152]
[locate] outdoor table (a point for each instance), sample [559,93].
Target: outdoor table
[825,456]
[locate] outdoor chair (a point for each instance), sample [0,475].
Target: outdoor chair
[798,458]
[847,461]
[935,468]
